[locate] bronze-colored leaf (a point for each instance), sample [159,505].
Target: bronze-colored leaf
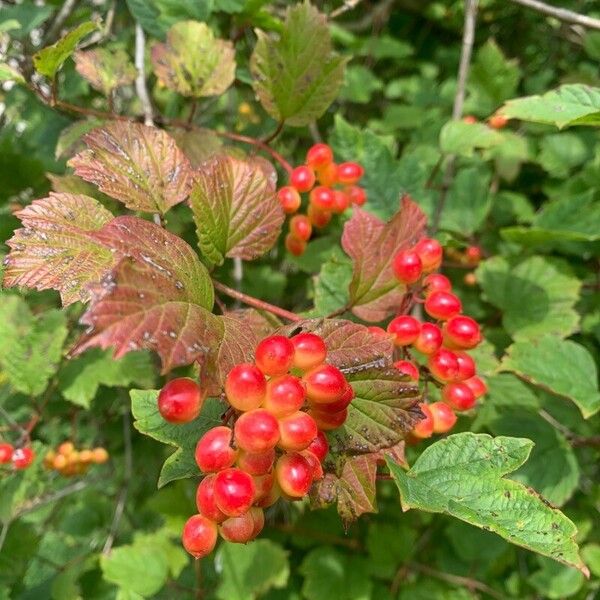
[105,69]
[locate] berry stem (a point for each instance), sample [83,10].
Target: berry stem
[267,140]
[255,302]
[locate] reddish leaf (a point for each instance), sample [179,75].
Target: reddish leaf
[372,245]
[235,209]
[140,166]
[55,248]
[105,69]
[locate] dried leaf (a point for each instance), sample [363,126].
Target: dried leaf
[105,69]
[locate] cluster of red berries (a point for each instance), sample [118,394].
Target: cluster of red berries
[442,344]
[280,404]
[337,190]
[19,458]
[69,461]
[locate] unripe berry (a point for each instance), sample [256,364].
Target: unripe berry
[322,198]
[315,465]
[296,432]
[319,156]
[59,462]
[407,266]
[424,428]
[341,201]
[289,198]
[357,195]
[256,431]
[302,178]
[238,529]
[497,121]
[6,452]
[294,475]
[324,384]
[349,172]
[258,463]
[214,451]
[443,417]
[86,456]
[327,175]
[466,366]
[470,279]
[245,387]
[430,252]
[205,500]
[407,368]
[274,355]
[285,395]
[338,405]
[443,365]
[470,119]
[301,227]
[477,386]
[327,421]
[442,305]
[429,340]
[199,536]
[65,448]
[22,457]
[461,332]
[180,400]
[319,446]
[435,282]
[405,330]
[294,246]
[319,218]
[99,456]
[310,350]
[234,491]
[459,396]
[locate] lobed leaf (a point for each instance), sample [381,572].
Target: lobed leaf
[138,165]
[105,69]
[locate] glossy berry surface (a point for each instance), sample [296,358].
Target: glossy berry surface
[199,536]
[309,350]
[315,465]
[180,400]
[289,199]
[341,201]
[22,457]
[430,252]
[238,529]
[258,463]
[6,452]
[477,385]
[349,172]
[459,396]
[407,266]
[319,156]
[442,305]
[461,332]
[294,246]
[214,451]
[301,227]
[327,420]
[424,428]
[205,500]
[274,355]
[297,431]
[302,178]
[234,491]
[405,330]
[256,431]
[356,194]
[339,405]
[443,365]
[285,395]
[319,446]
[429,339]
[319,218]
[443,417]
[324,384]
[435,282]
[466,366]
[408,368]
[245,387]
[294,475]
[473,254]
[322,198]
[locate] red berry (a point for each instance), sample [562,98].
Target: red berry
[302,178]
[405,330]
[435,282]
[341,201]
[258,515]
[6,452]
[497,121]
[289,198]
[310,350]
[477,386]
[319,446]
[341,404]
[294,246]
[327,175]
[443,417]
[319,218]
[199,536]
[22,457]
[461,332]
[327,421]
[256,431]
[294,475]
[275,355]
[430,252]
[270,491]
[378,331]
[324,384]
[214,451]
[263,484]
[322,198]
[356,194]
[258,463]
[245,387]
[443,365]
[301,227]
[473,254]
[238,529]
[442,305]
[285,395]
[180,400]
[297,431]
[234,491]
[470,119]
[407,266]
[429,340]
[424,428]
[319,155]
[407,368]
[459,396]
[205,500]
[466,366]
[349,172]
[315,465]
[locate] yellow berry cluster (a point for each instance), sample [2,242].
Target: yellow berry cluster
[69,461]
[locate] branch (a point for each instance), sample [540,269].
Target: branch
[66,491]
[61,17]
[562,14]
[140,80]
[348,5]
[255,302]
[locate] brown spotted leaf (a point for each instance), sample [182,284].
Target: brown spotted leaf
[193,62]
[105,69]
[235,209]
[372,245]
[55,249]
[139,165]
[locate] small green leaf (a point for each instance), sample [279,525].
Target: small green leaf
[331,286]
[556,582]
[7,73]
[458,137]
[561,367]
[463,476]
[49,60]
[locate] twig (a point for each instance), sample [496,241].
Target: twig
[255,302]
[574,439]
[61,17]
[238,275]
[348,5]
[4,532]
[562,14]
[62,493]
[272,136]
[8,418]
[98,36]
[140,80]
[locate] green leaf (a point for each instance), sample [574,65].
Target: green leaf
[463,476]
[235,209]
[105,69]
[297,76]
[360,85]
[591,555]
[248,571]
[49,60]
[556,582]
[537,296]
[571,104]
[184,437]
[157,16]
[560,153]
[561,367]
[193,62]
[81,377]
[31,346]
[331,286]
[7,73]
[458,137]
[26,16]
